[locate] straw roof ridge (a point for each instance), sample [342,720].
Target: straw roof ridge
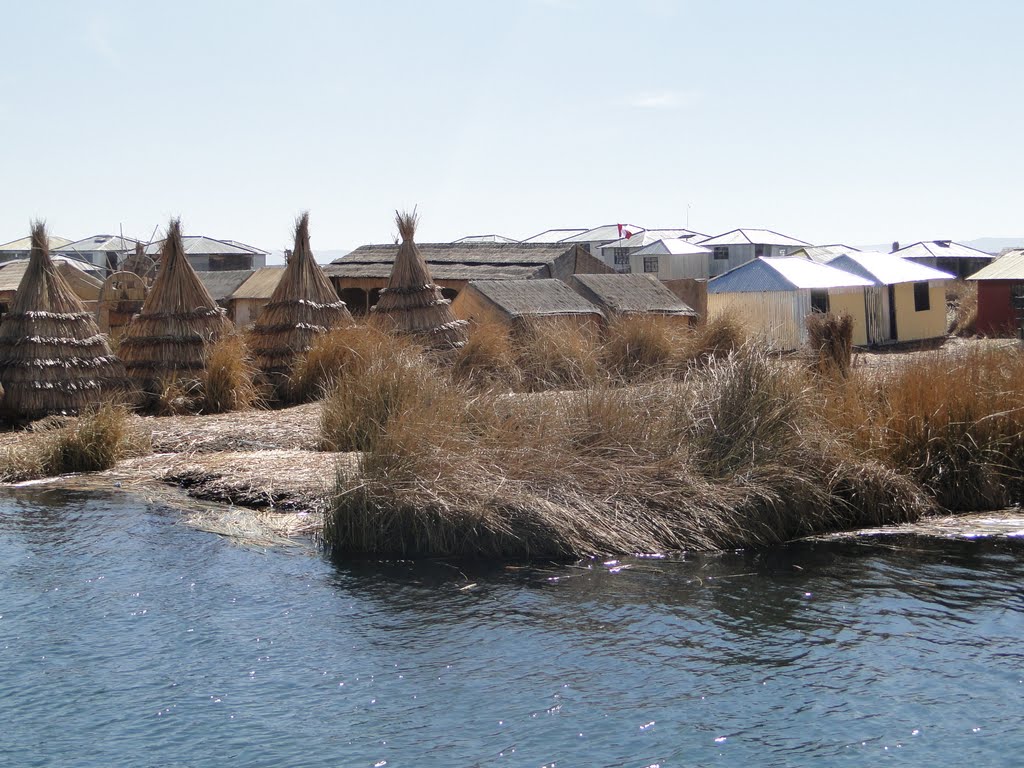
[53,358]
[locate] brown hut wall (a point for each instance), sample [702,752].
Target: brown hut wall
[693,292]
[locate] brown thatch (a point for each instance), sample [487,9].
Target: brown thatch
[53,358]
[303,305]
[412,303]
[167,340]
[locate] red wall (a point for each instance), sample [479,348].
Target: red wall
[995,312]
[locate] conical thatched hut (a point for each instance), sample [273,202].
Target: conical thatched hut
[53,358]
[303,305]
[167,340]
[412,303]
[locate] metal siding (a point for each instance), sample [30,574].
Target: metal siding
[777,316]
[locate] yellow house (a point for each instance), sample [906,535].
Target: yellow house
[905,302]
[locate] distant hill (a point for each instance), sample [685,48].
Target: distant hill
[322,257]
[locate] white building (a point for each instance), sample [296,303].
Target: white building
[206,254]
[737,247]
[672,258]
[107,252]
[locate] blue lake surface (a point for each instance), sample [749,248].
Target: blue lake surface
[128,639]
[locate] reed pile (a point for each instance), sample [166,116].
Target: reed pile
[303,306]
[53,358]
[167,341]
[830,340]
[411,303]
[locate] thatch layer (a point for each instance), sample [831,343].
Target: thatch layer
[303,305]
[53,358]
[168,338]
[412,303]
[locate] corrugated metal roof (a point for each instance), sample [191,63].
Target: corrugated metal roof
[260,284]
[887,268]
[522,298]
[553,235]
[225,282]
[11,273]
[672,246]
[247,247]
[941,249]
[606,232]
[114,243]
[782,273]
[25,244]
[751,237]
[1009,266]
[823,254]
[200,245]
[631,294]
[485,239]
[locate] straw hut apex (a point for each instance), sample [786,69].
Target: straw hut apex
[412,303]
[302,306]
[53,358]
[168,338]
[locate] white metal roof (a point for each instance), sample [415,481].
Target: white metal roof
[485,239]
[675,246]
[114,243]
[887,268]
[606,232]
[25,243]
[942,249]
[554,235]
[201,245]
[1009,266]
[751,237]
[823,254]
[782,273]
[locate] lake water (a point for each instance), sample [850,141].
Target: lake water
[128,639]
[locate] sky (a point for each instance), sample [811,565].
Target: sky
[855,122]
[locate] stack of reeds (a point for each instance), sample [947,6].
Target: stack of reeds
[412,303]
[303,306]
[168,339]
[53,358]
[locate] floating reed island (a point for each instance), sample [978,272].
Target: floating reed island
[303,306]
[53,358]
[411,303]
[168,340]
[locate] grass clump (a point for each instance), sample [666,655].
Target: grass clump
[228,380]
[637,347]
[487,359]
[340,353]
[558,353]
[962,307]
[830,341]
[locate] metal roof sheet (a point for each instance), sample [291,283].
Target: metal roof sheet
[823,254]
[25,244]
[519,298]
[200,245]
[1009,266]
[114,243]
[606,233]
[485,239]
[674,246]
[887,268]
[782,273]
[260,284]
[223,283]
[942,249]
[553,235]
[11,273]
[751,237]
[631,293]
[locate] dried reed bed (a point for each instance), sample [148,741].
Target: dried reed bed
[53,358]
[303,307]
[94,441]
[733,455]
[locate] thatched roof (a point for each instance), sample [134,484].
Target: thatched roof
[631,294]
[411,303]
[168,338]
[53,358]
[261,284]
[470,261]
[524,299]
[303,305]
[223,283]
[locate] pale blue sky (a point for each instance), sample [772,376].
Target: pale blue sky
[859,122]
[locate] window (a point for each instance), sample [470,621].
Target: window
[721,252]
[621,259]
[650,264]
[922,302]
[759,251]
[819,301]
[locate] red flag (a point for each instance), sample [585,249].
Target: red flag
[628,233]
[620,231]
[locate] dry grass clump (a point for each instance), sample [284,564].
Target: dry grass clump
[962,307]
[640,346]
[339,353]
[731,456]
[487,359]
[556,353]
[228,380]
[94,441]
[718,337]
[830,341]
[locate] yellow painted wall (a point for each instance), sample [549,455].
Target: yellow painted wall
[930,324]
[851,301]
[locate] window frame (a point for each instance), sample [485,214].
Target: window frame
[922,296]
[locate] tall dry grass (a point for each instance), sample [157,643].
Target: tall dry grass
[638,347]
[830,341]
[962,307]
[228,382]
[558,353]
[340,353]
[488,359]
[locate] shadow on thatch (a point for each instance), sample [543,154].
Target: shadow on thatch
[167,340]
[411,303]
[53,358]
[303,306]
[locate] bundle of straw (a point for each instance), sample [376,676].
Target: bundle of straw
[53,358]
[303,306]
[412,303]
[167,340]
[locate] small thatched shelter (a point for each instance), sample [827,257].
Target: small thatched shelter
[412,303]
[303,305]
[53,358]
[167,340]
